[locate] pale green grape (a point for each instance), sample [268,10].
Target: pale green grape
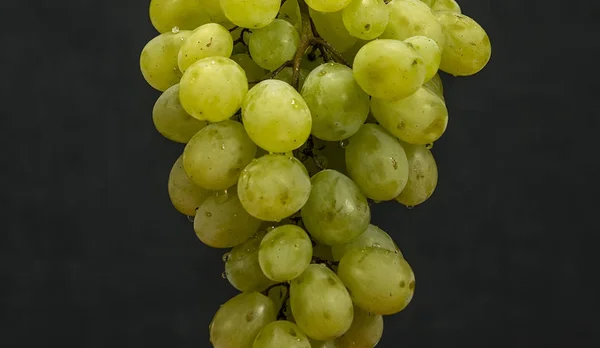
[253,71]
[337,103]
[420,118]
[171,120]
[327,5]
[184,14]
[276,117]
[285,75]
[253,14]
[323,344]
[435,85]
[468,48]
[412,18]
[184,194]
[213,88]
[366,19]
[285,252]
[242,267]
[446,5]
[280,334]
[158,61]
[237,323]
[331,28]
[274,44]
[216,155]
[223,222]
[379,281]
[366,330]
[389,69]
[336,211]
[274,187]
[372,237]
[429,50]
[290,11]
[377,163]
[321,304]
[208,40]
[422,176]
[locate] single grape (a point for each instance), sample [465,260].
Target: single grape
[158,61]
[276,117]
[252,14]
[446,5]
[366,330]
[435,85]
[366,19]
[323,344]
[420,118]
[253,71]
[279,334]
[331,28]
[389,69]
[184,194]
[328,5]
[429,50]
[242,267]
[208,40]
[273,45]
[213,89]
[377,163]
[285,252]
[183,14]
[379,281]
[372,237]
[412,18]
[290,11]
[321,304]
[422,176]
[285,75]
[171,120]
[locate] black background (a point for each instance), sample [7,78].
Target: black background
[93,255]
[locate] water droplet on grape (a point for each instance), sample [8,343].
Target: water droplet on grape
[270,228]
[376,245]
[175,30]
[222,146]
[221,196]
[190,218]
[429,146]
[208,214]
[410,206]
[344,143]
[224,275]
[225,257]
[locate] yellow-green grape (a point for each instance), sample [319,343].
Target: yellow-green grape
[321,304]
[184,194]
[209,40]
[290,11]
[429,2]
[331,28]
[276,117]
[274,44]
[377,163]
[222,222]
[284,253]
[242,268]
[171,120]
[366,330]
[252,14]
[253,71]
[420,118]
[237,322]
[389,69]
[183,14]
[366,19]
[446,5]
[285,75]
[216,13]
[468,48]
[350,54]
[213,88]
[280,334]
[379,281]
[422,176]
[372,237]
[216,155]
[158,61]
[429,50]
[412,18]
[336,211]
[328,5]
[337,103]
[435,85]
[274,187]
[323,344]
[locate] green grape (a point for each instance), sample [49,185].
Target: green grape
[184,194]
[422,176]
[372,237]
[322,252]
[158,61]
[323,344]
[412,18]
[242,267]
[429,2]
[252,14]
[350,54]
[321,304]
[337,103]
[184,14]
[366,19]
[274,187]
[209,40]
[284,253]
[420,118]
[366,330]
[328,5]
[435,85]
[331,28]
[253,71]
[446,5]
[275,44]
[336,211]
[216,155]
[285,75]
[379,281]
[389,69]
[429,50]
[171,120]
[213,89]
[237,323]
[279,334]
[377,163]
[279,295]
[290,11]
[276,117]
[223,223]
[468,48]
[216,13]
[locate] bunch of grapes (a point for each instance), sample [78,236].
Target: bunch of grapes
[296,115]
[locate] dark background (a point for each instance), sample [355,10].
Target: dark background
[93,255]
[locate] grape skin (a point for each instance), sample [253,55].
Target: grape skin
[284,253]
[429,50]
[208,40]
[171,120]
[184,194]
[280,334]
[242,267]
[252,14]
[412,18]
[366,19]
[184,14]
[366,330]
[274,44]
[422,178]
[372,237]
[158,61]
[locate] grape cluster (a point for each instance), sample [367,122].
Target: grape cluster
[295,115]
